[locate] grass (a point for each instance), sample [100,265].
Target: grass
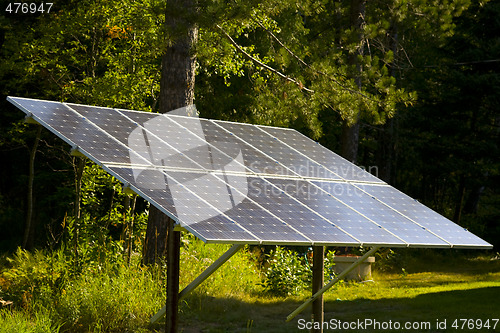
[444,287]
[49,296]
[415,297]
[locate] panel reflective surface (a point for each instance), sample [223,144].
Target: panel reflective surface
[316,152]
[225,142]
[278,151]
[426,217]
[239,183]
[340,215]
[380,214]
[296,215]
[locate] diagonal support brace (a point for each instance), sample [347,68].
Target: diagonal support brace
[331,283]
[202,277]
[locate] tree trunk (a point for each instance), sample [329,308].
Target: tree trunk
[350,141]
[29,227]
[176,91]
[350,133]
[386,152]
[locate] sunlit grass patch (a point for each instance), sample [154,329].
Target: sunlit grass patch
[23,322]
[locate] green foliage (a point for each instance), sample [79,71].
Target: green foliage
[102,232]
[289,273]
[449,139]
[103,53]
[34,276]
[105,296]
[21,322]
[110,300]
[108,295]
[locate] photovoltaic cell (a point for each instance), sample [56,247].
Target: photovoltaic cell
[296,215]
[379,213]
[76,130]
[109,120]
[169,143]
[336,212]
[226,142]
[320,154]
[220,229]
[230,199]
[281,153]
[159,194]
[149,148]
[238,183]
[438,224]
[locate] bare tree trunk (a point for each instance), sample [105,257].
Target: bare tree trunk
[29,228]
[386,152]
[350,133]
[176,91]
[79,168]
[460,200]
[350,141]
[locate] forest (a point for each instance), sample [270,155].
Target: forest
[407,89]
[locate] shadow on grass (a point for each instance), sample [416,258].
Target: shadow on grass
[213,315]
[446,261]
[479,303]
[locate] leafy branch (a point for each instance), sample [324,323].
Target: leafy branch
[352,91]
[260,63]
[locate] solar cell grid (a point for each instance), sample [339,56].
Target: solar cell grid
[316,152]
[336,212]
[224,141]
[298,216]
[380,214]
[151,185]
[77,131]
[239,183]
[426,217]
[274,148]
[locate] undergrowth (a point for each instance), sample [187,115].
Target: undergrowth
[52,292]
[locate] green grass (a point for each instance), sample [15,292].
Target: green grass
[21,322]
[50,296]
[434,286]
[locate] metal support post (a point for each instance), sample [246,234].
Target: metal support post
[317,284]
[173,258]
[202,277]
[331,283]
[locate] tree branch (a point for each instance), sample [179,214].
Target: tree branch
[352,91]
[260,63]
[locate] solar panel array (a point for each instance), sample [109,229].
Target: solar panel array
[239,183]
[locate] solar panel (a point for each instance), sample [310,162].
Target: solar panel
[277,150]
[424,216]
[322,156]
[254,160]
[339,214]
[374,210]
[239,183]
[304,219]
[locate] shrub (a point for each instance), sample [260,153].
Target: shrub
[119,300]
[289,273]
[34,276]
